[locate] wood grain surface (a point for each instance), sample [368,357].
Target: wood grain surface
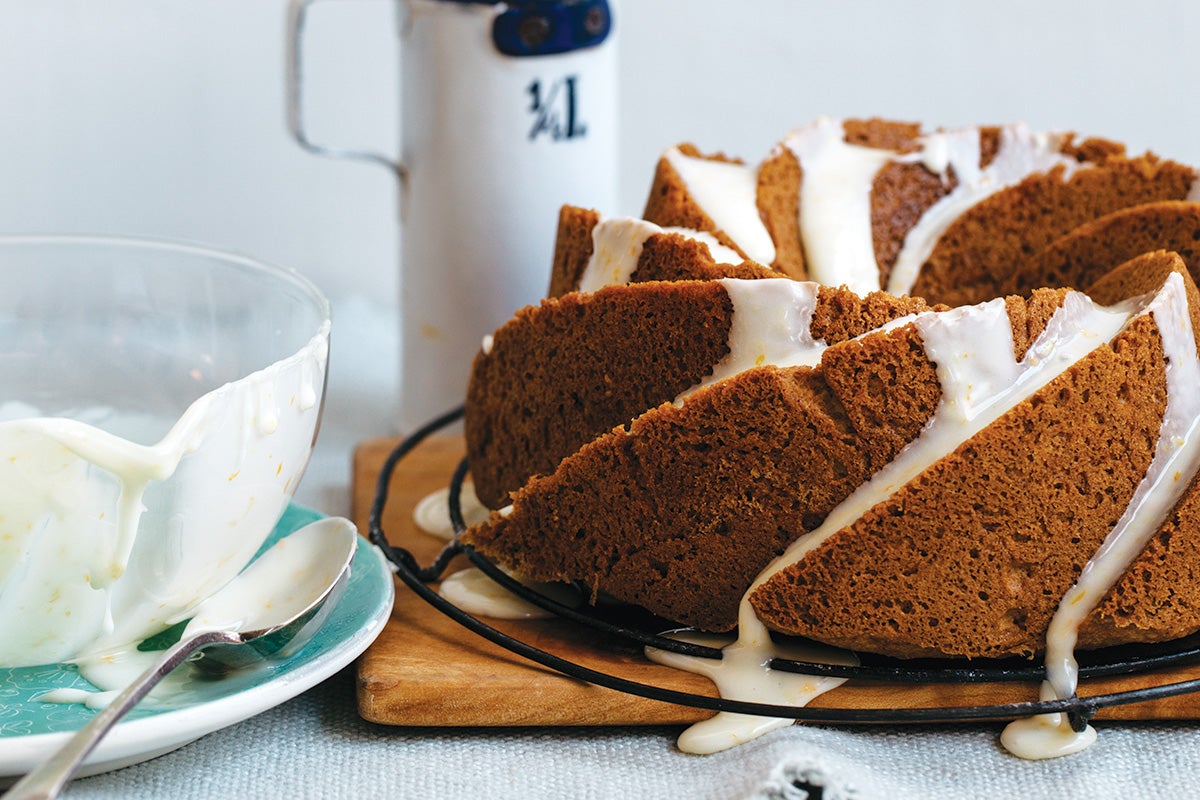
[426,670]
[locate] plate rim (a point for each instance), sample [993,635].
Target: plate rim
[143,738]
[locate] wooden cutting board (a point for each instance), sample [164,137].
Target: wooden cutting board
[426,670]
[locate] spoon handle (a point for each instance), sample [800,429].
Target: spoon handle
[48,779]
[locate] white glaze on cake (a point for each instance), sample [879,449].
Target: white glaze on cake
[771,325]
[981,379]
[942,151]
[835,205]
[835,194]
[1176,458]
[1020,154]
[728,194]
[617,248]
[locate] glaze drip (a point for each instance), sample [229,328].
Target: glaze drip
[728,194]
[771,326]
[1176,458]
[617,248]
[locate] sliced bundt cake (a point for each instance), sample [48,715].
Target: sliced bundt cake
[949,535]
[1007,465]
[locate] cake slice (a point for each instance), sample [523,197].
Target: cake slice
[1083,255]
[560,374]
[982,546]
[1158,597]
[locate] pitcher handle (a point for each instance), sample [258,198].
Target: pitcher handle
[297,14]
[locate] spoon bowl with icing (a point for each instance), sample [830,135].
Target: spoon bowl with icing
[159,407]
[271,608]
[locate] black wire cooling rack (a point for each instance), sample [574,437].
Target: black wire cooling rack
[1117,661]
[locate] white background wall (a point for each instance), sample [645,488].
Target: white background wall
[166,117]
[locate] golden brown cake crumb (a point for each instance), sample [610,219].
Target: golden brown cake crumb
[778,197]
[633,513]
[559,374]
[1086,253]
[981,547]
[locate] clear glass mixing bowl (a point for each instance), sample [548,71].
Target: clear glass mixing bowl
[158,406]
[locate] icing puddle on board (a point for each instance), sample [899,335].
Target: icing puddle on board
[470,589]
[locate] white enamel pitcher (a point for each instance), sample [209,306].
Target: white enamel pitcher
[508,110]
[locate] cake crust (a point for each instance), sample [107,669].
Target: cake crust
[1083,256]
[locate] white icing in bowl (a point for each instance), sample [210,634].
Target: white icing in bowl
[159,409]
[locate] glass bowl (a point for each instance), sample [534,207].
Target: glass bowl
[158,406]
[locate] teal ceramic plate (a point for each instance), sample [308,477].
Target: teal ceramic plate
[31,730]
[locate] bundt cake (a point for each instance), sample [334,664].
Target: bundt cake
[962,426]
[680,512]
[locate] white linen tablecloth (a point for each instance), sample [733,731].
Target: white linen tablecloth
[316,746]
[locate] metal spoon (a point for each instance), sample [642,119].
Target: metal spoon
[271,608]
